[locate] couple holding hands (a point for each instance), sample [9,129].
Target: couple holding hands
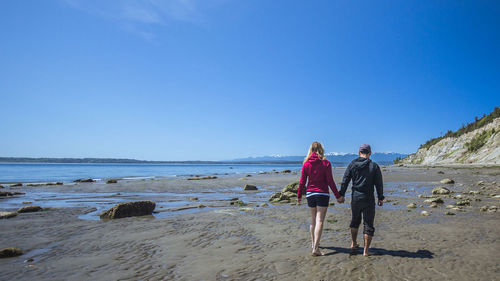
[365,174]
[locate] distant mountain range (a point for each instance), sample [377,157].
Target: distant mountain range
[338,158]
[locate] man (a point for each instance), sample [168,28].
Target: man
[364,175]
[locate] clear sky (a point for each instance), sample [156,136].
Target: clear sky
[221,79]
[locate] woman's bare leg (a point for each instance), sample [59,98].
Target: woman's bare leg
[313,224]
[320,218]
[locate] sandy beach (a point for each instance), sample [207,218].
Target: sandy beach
[254,242]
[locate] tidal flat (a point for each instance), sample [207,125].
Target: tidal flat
[197,234]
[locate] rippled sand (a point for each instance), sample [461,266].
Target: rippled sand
[263,243]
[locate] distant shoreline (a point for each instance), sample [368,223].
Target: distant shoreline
[127,161]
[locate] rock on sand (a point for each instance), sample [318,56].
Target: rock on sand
[249,187]
[129,209]
[425,213]
[441,190]
[7,215]
[10,252]
[29,209]
[447,181]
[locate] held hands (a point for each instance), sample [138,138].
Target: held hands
[380,202]
[341,199]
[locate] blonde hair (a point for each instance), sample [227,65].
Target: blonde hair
[318,148]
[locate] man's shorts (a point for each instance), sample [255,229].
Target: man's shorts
[318,200]
[365,210]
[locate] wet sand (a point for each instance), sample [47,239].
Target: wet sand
[261,243]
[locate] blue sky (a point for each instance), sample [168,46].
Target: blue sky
[221,79]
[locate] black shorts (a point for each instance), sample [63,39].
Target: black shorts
[314,201]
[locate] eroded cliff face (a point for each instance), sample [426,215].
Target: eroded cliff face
[481,146]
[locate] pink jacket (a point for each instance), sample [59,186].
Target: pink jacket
[320,176]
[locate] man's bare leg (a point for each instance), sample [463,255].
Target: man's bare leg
[368,241]
[354,237]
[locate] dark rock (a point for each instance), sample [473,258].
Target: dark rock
[441,172]
[10,252]
[7,215]
[84,180]
[29,260]
[27,202]
[201,206]
[111,181]
[248,175]
[129,209]
[16,184]
[239,203]
[195,198]
[29,209]
[203,178]
[286,171]
[59,183]
[449,213]
[250,187]
[234,199]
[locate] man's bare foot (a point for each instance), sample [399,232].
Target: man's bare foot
[367,253]
[354,246]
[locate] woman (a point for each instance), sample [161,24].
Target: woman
[317,172]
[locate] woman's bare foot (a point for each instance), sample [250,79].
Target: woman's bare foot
[317,253]
[354,246]
[367,253]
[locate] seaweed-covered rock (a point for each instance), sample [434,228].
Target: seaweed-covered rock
[7,215]
[84,180]
[290,195]
[129,209]
[286,171]
[465,202]
[111,181]
[10,252]
[279,197]
[29,209]
[16,184]
[291,187]
[250,187]
[441,190]
[449,213]
[447,181]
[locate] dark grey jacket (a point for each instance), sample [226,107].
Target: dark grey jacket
[364,175]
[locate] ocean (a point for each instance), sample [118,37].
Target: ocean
[63,172]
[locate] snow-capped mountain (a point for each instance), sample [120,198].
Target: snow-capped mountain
[334,157]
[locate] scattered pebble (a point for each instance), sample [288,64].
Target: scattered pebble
[411,205]
[447,181]
[425,213]
[449,213]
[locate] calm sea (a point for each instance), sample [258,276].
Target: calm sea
[51,172]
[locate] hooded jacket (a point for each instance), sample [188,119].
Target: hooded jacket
[364,175]
[318,175]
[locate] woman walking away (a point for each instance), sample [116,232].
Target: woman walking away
[317,172]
